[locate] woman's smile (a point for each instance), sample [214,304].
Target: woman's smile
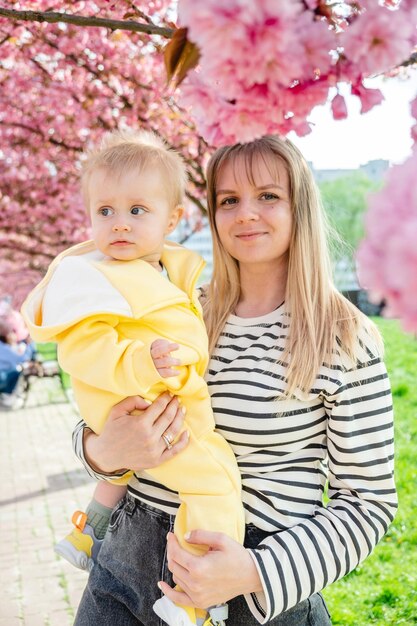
[250,235]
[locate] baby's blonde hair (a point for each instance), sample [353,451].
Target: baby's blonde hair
[124,150]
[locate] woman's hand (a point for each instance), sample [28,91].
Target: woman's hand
[134,441]
[224,572]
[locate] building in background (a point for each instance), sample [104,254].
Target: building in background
[374,170]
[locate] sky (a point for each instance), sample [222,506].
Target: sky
[382,133]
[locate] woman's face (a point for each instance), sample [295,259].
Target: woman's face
[254,219]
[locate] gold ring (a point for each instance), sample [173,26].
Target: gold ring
[167,442]
[169,437]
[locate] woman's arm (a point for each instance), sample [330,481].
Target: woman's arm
[129,440]
[304,559]
[297,562]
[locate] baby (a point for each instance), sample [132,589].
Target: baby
[118,306]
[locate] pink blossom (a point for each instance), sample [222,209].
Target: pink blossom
[368,97]
[253,112]
[339,108]
[378,39]
[388,256]
[245,41]
[317,40]
[273,51]
[410,7]
[223,122]
[413,108]
[301,99]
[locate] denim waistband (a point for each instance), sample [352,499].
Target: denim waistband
[253,534]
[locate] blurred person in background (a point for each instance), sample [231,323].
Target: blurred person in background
[15,351]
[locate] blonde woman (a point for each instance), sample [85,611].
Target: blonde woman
[300,392]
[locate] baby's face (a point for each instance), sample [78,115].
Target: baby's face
[130,214]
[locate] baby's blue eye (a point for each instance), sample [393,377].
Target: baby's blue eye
[105,211]
[137,210]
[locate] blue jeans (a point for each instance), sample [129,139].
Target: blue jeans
[9,380]
[122,585]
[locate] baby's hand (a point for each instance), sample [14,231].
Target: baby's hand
[161,354]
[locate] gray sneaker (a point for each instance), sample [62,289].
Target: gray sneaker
[81,546]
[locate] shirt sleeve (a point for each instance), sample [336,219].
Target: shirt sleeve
[92,351]
[302,560]
[78,447]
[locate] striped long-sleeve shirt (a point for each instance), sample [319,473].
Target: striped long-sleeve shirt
[341,431]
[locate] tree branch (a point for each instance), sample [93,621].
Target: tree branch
[80,20]
[36,131]
[197,202]
[4,39]
[412,60]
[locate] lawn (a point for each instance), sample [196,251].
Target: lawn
[383,590]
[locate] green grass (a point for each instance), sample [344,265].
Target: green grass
[383,590]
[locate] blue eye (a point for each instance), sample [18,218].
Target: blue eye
[228,201]
[269,196]
[137,210]
[105,211]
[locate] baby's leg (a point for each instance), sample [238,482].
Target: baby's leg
[81,546]
[106,496]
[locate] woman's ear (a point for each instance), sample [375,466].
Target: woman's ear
[176,214]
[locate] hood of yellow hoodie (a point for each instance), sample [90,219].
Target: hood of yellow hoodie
[82,282]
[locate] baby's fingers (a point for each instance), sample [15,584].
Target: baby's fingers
[166,365]
[162,347]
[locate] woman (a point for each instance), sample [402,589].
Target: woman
[298,389]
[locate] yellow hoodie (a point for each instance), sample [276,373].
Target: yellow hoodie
[104,315]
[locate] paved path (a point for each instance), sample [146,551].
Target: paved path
[42,484]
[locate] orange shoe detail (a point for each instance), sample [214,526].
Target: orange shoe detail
[79,519]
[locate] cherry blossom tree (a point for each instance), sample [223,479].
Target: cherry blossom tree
[242,68]
[388,255]
[62,86]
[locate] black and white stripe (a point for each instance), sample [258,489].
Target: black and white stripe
[286,449]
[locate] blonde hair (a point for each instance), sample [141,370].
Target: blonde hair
[318,312]
[125,150]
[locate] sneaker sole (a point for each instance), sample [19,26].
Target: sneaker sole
[75,557]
